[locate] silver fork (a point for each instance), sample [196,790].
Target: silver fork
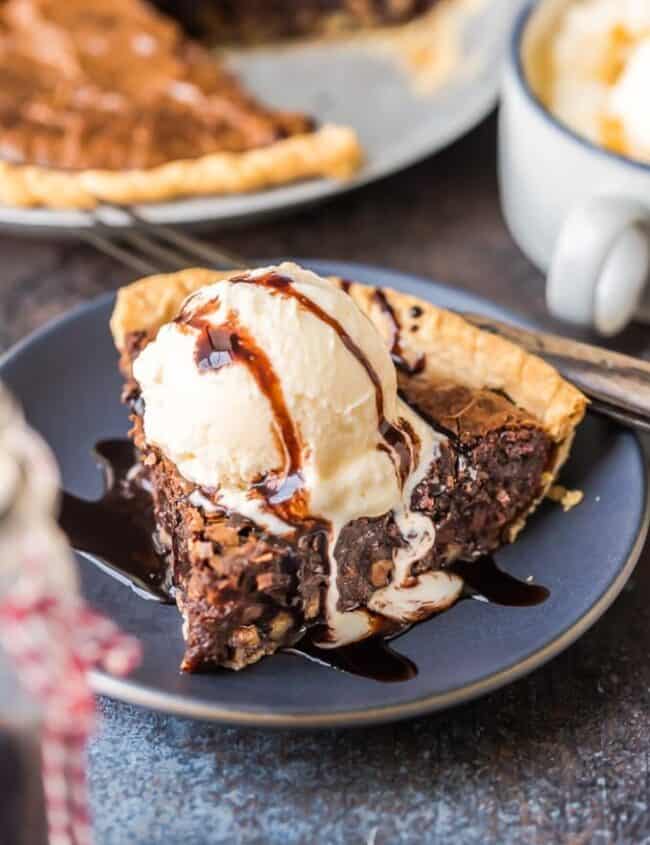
[154,248]
[617,385]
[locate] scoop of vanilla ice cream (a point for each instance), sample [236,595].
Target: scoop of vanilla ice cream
[218,426]
[629,98]
[591,38]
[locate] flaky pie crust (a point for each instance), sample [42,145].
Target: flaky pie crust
[331,151]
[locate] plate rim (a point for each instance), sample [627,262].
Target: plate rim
[134,692]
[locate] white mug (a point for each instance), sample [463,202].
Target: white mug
[580,212]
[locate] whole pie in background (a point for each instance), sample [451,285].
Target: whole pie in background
[111,100]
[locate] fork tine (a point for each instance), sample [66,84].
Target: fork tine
[166,258]
[153,248]
[193,247]
[109,247]
[219,258]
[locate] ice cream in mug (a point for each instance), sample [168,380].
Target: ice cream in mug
[594,73]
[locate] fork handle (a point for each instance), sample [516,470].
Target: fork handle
[618,384]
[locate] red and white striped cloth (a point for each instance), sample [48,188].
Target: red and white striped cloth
[54,641]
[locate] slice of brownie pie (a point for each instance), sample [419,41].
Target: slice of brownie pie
[322,453]
[111,101]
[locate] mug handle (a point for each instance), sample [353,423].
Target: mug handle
[600,264]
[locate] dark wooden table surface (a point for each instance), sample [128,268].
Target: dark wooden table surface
[561,756]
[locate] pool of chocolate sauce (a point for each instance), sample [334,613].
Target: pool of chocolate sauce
[117,531]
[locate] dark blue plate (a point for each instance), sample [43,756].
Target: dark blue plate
[66,376]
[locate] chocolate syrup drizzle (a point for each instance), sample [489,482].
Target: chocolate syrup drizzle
[391,434]
[117,532]
[396,351]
